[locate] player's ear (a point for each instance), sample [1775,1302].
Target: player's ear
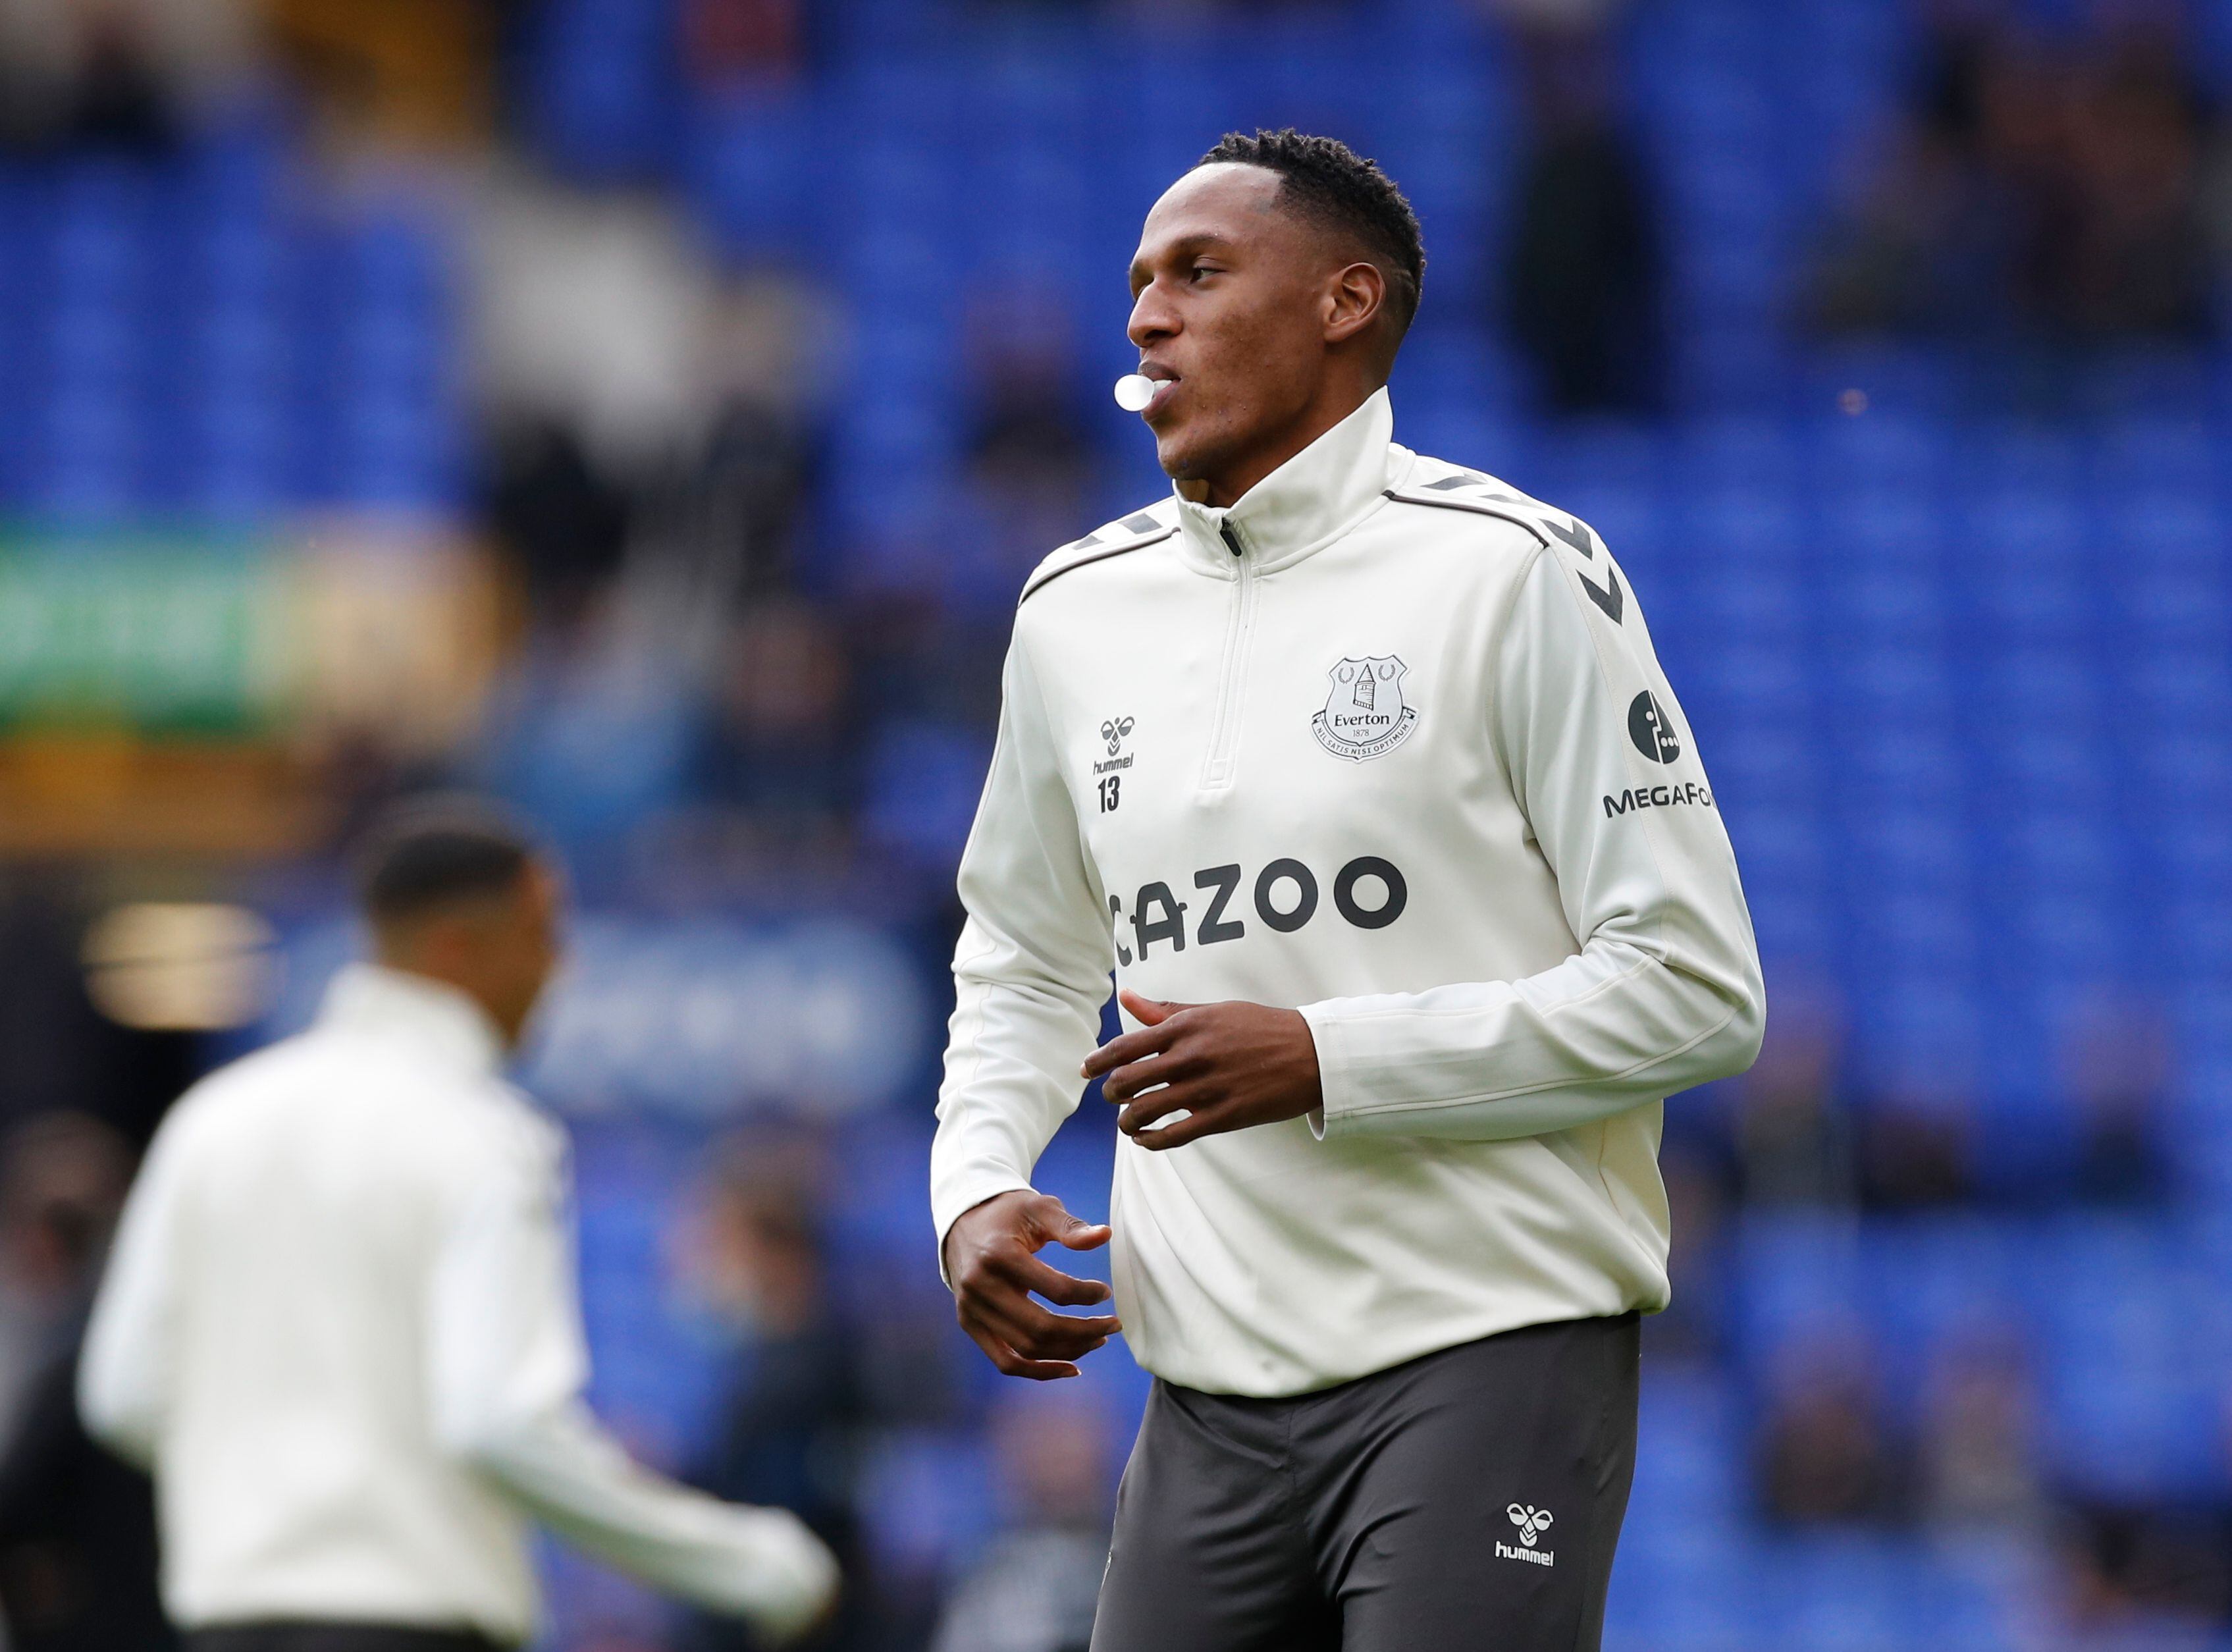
[1354,298]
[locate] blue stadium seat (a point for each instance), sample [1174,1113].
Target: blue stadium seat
[1924,1028]
[2173,606]
[600,96]
[759,176]
[1895,382]
[1940,1282]
[2138,1340]
[1798,1274]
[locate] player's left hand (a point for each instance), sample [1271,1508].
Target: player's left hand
[1226,1066]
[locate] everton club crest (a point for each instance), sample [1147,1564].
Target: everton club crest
[1365,715]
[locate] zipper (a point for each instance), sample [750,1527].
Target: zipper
[1239,629]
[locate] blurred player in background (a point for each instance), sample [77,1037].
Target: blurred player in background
[1360,768]
[341,1324]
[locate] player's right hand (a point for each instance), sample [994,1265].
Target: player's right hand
[789,1589]
[991,1262]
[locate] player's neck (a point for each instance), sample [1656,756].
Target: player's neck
[1231,480]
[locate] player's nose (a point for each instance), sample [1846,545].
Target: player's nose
[1152,318]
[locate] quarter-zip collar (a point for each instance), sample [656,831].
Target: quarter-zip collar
[417,1009]
[1308,502]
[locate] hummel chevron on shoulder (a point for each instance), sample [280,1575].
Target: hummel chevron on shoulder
[1466,490]
[1141,528]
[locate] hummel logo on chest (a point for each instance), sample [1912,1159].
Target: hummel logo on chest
[1113,733]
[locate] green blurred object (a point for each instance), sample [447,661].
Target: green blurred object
[151,632]
[183,692]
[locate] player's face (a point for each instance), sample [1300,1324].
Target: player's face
[522,943]
[1229,295]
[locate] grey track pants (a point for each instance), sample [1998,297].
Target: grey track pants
[1469,1499]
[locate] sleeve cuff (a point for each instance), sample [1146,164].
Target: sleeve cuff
[1334,1116]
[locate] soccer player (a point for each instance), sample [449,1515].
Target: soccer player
[1358,769]
[341,1325]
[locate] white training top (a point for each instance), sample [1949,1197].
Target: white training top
[1387,741]
[341,1325]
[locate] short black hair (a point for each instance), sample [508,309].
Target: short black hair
[1325,180]
[429,853]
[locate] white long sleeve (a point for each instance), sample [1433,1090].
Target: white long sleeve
[1385,742]
[507,1367]
[121,1390]
[1665,992]
[341,1325]
[1030,973]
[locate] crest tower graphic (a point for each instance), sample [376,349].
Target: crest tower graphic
[1365,714]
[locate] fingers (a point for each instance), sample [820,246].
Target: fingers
[1161,1104]
[1070,1292]
[1139,1077]
[995,1298]
[1012,1364]
[1041,1334]
[992,1299]
[1130,1046]
[1036,1332]
[1200,1123]
[1209,1112]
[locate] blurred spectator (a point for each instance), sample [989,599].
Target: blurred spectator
[774,774]
[2130,1562]
[77,1528]
[1917,1148]
[2125,251]
[2066,193]
[2116,1066]
[724,42]
[779,754]
[78,1551]
[590,733]
[1032,470]
[1979,1449]
[739,506]
[1035,1588]
[1794,1144]
[594,314]
[1827,1455]
[1930,245]
[62,1177]
[1583,277]
[725,512]
[561,520]
[792,1428]
[1696,1198]
[118,74]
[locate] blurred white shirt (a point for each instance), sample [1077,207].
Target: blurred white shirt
[341,1326]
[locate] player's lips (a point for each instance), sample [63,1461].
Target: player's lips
[1166,384]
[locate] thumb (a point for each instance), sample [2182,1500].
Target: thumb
[1148,1012]
[1073,1234]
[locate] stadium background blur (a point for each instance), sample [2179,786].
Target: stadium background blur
[647,410]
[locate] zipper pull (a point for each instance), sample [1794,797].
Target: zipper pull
[1231,539]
